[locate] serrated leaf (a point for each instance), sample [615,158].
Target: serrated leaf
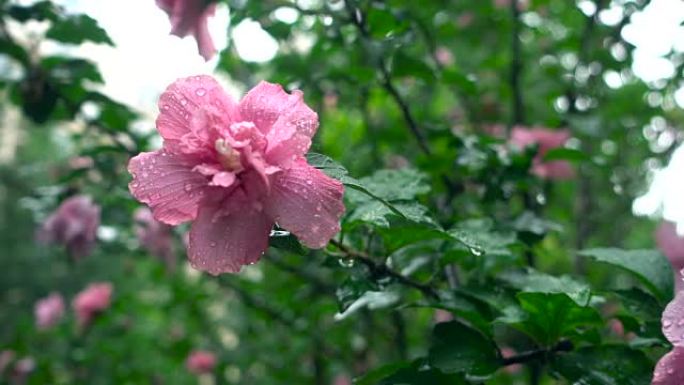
[650,267]
[77,29]
[457,348]
[605,365]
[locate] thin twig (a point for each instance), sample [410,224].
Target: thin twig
[383,270]
[539,354]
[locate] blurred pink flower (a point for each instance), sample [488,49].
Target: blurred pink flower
[81,162]
[342,379]
[522,4]
[507,352]
[465,19]
[154,236]
[49,310]
[191,17]
[442,315]
[74,224]
[546,139]
[670,368]
[200,362]
[444,56]
[672,245]
[235,169]
[6,358]
[93,300]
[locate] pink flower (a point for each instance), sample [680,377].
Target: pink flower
[442,315]
[670,368]
[235,169]
[522,4]
[200,362]
[444,56]
[465,19]
[154,236]
[546,140]
[92,301]
[6,358]
[672,245]
[191,17]
[507,352]
[49,310]
[342,379]
[74,224]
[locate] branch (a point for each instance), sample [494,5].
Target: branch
[518,113]
[383,270]
[358,20]
[539,354]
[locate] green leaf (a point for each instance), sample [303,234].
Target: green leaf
[457,348]
[78,29]
[605,365]
[407,66]
[547,317]
[286,241]
[395,185]
[72,70]
[42,10]
[416,373]
[537,282]
[648,266]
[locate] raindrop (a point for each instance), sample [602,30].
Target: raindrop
[680,322]
[183,102]
[201,92]
[475,251]
[667,323]
[346,262]
[188,187]
[212,244]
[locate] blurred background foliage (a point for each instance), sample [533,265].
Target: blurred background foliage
[416,100]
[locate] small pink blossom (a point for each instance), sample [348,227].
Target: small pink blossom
[547,140]
[672,245]
[191,17]
[200,362]
[154,236]
[465,19]
[442,315]
[508,352]
[670,368]
[6,358]
[49,310]
[522,4]
[342,379]
[90,302]
[74,224]
[81,162]
[235,169]
[444,56]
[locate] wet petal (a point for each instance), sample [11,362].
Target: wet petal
[291,134]
[193,101]
[223,243]
[306,202]
[205,44]
[673,320]
[265,103]
[670,368]
[223,179]
[167,183]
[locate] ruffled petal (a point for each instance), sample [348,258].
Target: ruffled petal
[291,134]
[192,104]
[167,183]
[223,242]
[670,368]
[265,103]
[673,320]
[205,44]
[306,202]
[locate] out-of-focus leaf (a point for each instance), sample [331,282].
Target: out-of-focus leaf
[648,266]
[605,365]
[547,317]
[568,154]
[535,281]
[416,373]
[42,10]
[77,29]
[286,241]
[457,348]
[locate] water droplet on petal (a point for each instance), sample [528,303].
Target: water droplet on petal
[188,187]
[667,323]
[200,92]
[183,101]
[212,244]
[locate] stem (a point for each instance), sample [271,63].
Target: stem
[382,270]
[518,113]
[539,354]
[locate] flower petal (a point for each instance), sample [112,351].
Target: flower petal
[205,44]
[670,368]
[306,202]
[291,134]
[265,103]
[673,320]
[223,243]
[167,183]
[185,98]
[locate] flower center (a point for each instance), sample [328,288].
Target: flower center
[228,156]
